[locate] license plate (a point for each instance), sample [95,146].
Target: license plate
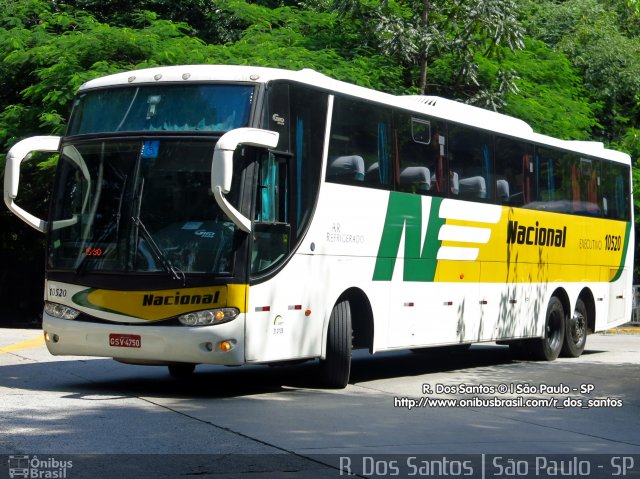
[125,340]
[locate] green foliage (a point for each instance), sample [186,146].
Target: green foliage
[549,94]
[610,65]
[605,51]
[286,37]
[417,33]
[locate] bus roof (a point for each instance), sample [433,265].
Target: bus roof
[430,105]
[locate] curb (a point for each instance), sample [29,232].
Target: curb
[624,330]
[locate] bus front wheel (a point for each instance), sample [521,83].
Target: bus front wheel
[548,347]
[575,334]
[336,367]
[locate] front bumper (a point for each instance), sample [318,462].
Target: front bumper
[158,344]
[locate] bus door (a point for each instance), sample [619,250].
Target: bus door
[286,186]
[272,229]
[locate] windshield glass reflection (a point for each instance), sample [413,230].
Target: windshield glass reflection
[139,205]
[162,108]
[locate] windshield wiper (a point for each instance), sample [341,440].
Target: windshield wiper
[176,273]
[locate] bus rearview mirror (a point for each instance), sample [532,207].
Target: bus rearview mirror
[222,166]
[20,152]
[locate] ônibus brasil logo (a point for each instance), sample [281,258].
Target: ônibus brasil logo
[34,467]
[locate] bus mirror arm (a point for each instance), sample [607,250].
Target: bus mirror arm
[222,166]
[20,152]
[238,218]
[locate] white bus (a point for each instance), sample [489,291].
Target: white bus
[241,215]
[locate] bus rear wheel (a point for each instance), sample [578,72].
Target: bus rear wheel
[336,367]
[548,347]
[575,334]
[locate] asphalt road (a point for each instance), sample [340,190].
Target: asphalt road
[85,417]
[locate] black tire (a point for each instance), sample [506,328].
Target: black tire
[336,367]
[548,348]
[575,334]
[181,371]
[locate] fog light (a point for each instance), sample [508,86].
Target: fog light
[61,311]
[209,317]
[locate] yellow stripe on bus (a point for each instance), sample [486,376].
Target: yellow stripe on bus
[159,305]
[530,246]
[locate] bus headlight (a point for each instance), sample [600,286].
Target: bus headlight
[61,311]
[209,317]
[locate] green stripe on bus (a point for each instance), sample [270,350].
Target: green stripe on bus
[404,213]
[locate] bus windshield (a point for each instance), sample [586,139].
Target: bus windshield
[133,205]
[162,108]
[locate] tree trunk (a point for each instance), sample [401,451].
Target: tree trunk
[424,20]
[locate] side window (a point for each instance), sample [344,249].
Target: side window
[272,228]
[568,183]
[470,163]
[513,172]
[272,204]
[613,192]
[554,177]
[359,149]
[584,186]
[421,155]
[309,117]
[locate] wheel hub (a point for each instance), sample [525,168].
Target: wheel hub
[578,327]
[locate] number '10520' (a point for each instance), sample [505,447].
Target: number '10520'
[57,292]
[612,243]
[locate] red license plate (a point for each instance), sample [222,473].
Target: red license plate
[125,340]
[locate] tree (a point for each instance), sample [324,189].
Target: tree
[414,32]
[605,53]
[610,65]
[550,95]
